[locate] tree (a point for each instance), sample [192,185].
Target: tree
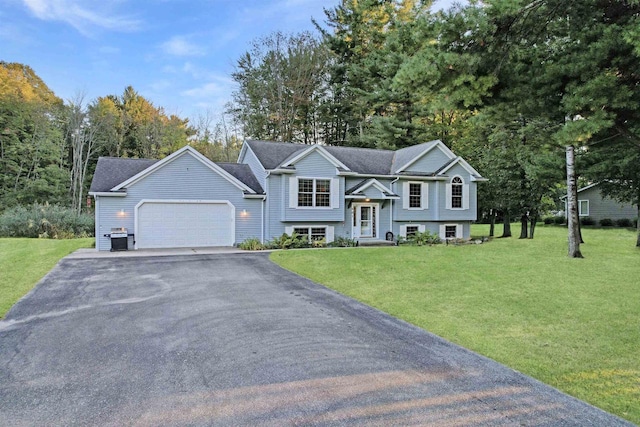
[280,85]
[570,67]
[32,147]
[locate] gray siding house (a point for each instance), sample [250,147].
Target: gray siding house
[185,200]
[592,204]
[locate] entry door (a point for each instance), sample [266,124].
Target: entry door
[365,220]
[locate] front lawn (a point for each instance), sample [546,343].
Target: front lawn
[571,323]
[23,262]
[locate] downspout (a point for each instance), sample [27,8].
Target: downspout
[262,221]
[391,205]
[97,224]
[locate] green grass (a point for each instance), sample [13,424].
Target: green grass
[571,323]
[23,262]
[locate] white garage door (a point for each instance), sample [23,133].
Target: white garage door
[184,224]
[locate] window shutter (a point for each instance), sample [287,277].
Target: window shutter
[405,195]
[421,228]
[330,234]
[335,193]
[443,231]
[289,230]
[448,196]
[403,231]
[459,231]
[425,195]
[293,192]
[465,196]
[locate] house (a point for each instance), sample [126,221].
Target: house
[186,200]
[593,204]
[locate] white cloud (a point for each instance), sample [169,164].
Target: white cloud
[180,46]
[80,17]
[206,90]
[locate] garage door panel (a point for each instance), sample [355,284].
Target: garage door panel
[184,224]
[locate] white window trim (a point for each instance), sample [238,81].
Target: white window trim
[403,228]
[424,195]
[334,190]
[580,211]
[465,195]
[329,230]
[459,231]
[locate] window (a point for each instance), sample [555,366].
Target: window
[450,231]
[583,207]
[415,195]
[311,233]
[314,192]
[411,230]
[456,193]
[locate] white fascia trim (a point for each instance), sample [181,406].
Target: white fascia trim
[242,152]
[588,187]
[324,153]
[254,196]
[212,202]
[186,149]
[355,196]
[347,173]
[107,194]
[376,184]
[438,144]
[277,171]
[465,165]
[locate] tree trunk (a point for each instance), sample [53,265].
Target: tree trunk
[638,226]
[572,206]
[506,230]
[492,221]
[524,222]
[533,219]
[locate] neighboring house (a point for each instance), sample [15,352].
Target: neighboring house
[186,200]
[593,204]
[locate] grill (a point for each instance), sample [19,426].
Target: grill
[119,239]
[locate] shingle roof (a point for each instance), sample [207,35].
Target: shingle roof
[244,174]
[366,161]
[272,154]
[111,171]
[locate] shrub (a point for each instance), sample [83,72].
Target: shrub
[587,221]
[343,242]
[252,244]
[560,220]
[624,222]
[45,221]
[293,241]
[548,220]
[420,239]
[606,222]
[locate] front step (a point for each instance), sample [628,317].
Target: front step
[376,243]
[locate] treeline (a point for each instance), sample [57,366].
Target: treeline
[49,147]
[514,86]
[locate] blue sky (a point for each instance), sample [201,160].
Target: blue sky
[177,53]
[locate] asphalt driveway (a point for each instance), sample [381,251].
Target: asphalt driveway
[235,340]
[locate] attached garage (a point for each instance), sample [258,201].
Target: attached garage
[182,201]
[184,223]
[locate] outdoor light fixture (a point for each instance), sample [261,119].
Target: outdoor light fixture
[121,213]
[244,212]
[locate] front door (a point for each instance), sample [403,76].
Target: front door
[365,220]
